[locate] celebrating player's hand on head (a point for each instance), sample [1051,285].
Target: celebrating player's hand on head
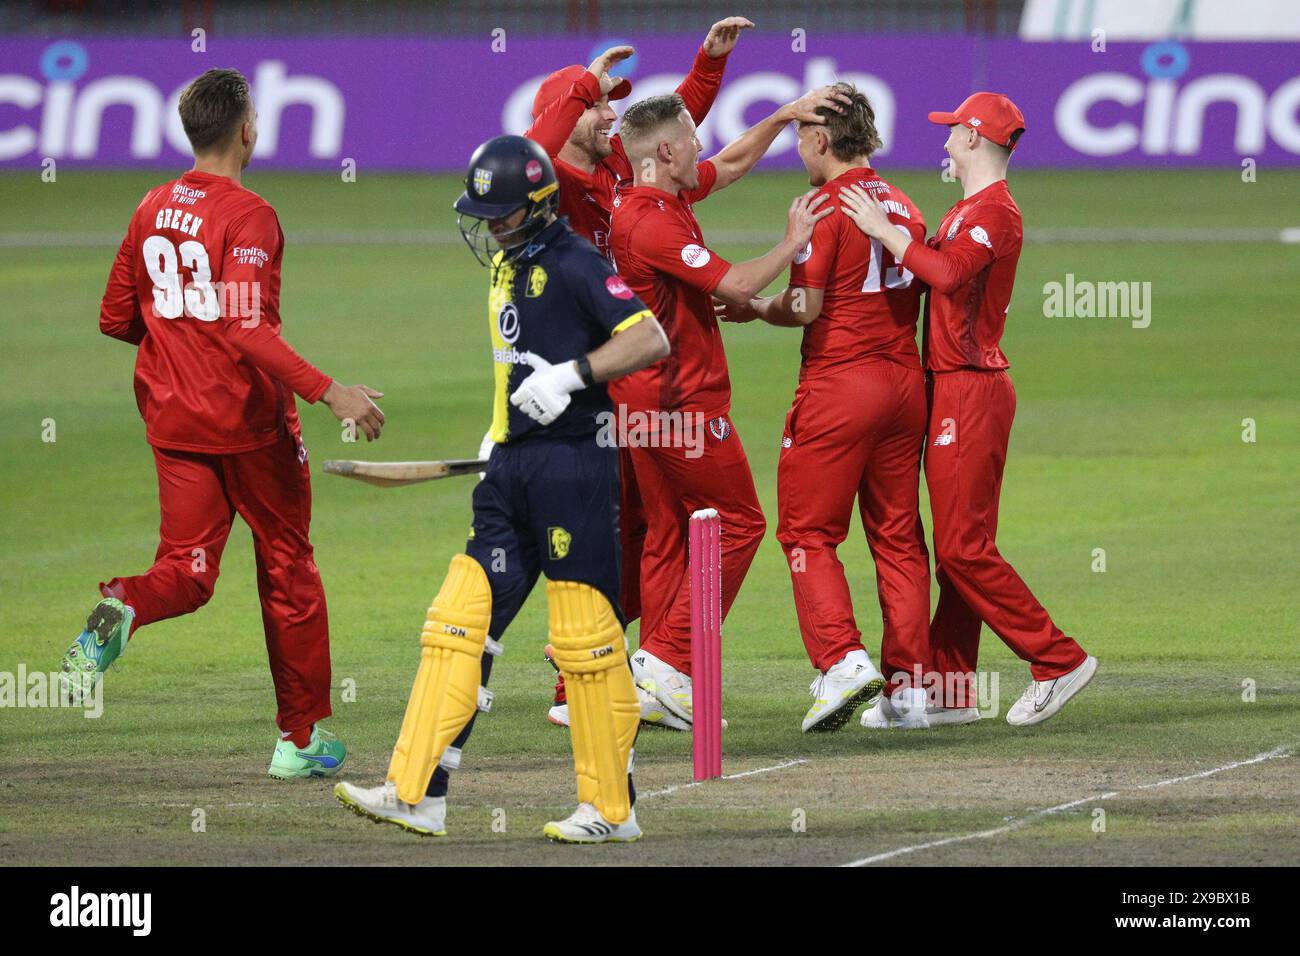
[804,109]
[600,66]
[353,402]
[724,35]
[869,215]
[805,212]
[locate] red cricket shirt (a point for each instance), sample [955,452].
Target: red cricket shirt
[870,303]
[587,198]
[659,251]
[970,267]
[196,286]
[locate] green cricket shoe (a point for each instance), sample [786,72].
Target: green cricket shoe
[323,757]
[107,630]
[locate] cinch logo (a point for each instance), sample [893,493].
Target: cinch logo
[67,120]
[1173,117]
[103,909]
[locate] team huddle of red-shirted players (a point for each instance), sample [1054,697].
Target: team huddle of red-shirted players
[869,407]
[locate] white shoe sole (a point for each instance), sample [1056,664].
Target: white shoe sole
[1061,696]
[558,715]
[833,718]
[556,835]
[419,828]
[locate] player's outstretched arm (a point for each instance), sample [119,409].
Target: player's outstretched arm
[700,88]
[554,125]
[792,308]
[943,271]
[739,156]
[745,280]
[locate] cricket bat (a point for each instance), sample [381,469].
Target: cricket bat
[391,474]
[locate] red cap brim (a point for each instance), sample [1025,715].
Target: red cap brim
[621,90]
[944,119]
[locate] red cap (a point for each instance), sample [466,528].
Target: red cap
[558,83]
[991,115]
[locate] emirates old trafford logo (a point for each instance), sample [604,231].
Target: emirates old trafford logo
[560,541]
[482,181]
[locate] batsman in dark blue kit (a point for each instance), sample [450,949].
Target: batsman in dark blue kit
[562,323]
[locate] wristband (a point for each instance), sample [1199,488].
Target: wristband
[584,371]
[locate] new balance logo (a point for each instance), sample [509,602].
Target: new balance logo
[944,440]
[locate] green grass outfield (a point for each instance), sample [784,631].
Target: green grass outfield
[1129,440]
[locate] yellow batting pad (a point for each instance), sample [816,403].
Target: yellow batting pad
[446,691]
[589,650]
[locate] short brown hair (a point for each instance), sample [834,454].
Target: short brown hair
[648,115]
[853,132]
[214,106]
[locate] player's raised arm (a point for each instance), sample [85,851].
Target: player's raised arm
[739,156]
[555,123]
[255,334]
[744,280]
[702,83]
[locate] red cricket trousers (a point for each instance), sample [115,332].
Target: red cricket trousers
[270,488]
[675,481]
[965,453]
[857,433]
[632,530]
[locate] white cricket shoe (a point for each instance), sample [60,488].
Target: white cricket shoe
[903,709]
[1043,698]
[664,683]
[383,805]
[837,693]
[588,826]
[655,714]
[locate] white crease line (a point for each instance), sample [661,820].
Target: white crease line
[1282,751]
[726,776]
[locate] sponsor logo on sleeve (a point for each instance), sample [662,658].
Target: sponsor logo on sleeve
[249,256]
[979,235]
[804,254]
[617,287]
[697,257]
[952,230]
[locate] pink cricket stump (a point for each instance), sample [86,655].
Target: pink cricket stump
[706,642]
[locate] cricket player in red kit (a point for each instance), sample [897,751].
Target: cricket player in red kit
[970,266]
[573,122]
[196,288]
[855,429]
[685,450]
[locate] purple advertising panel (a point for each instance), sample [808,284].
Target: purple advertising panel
[394,103]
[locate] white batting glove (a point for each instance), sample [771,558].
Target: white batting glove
[485,451]
[545,394]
